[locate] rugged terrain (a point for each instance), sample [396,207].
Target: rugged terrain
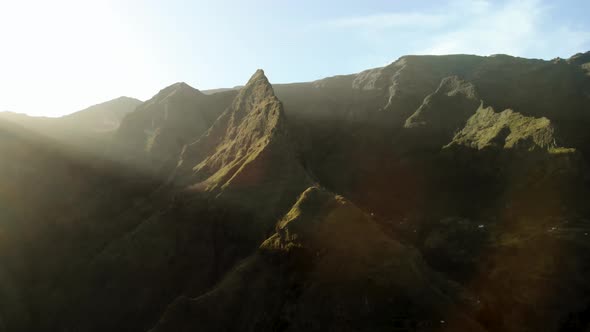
[438,193]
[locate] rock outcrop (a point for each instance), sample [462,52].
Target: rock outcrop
[247,155]
[506,130]
[447,109]
[442,113]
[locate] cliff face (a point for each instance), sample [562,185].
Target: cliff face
[247,155]
[506,129]
[154,134]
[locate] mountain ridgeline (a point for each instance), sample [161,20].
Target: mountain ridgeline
[438,193]
[85,130]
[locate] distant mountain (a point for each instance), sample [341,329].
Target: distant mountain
[437,193]
[102,117]
[212,91]
[98,118]
[86,129]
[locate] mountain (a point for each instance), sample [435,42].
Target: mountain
[582,60]
[53,197]
[154,134]
[189,238]
[212,91]
[506,129]
[328,266]
[86,129]
[437,193]
[247,153]
[102,117]
[350,129]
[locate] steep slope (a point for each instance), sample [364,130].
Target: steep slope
[153,135]
[502,81]
[195,232]
[58,207]
[350,128]
[557,90]
[506,129]
[327,267]
[247,155]
[451,94]
[480,206]
[442,113]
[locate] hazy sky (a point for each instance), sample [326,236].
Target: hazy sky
[60,56]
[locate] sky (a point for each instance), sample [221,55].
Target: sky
[60,56]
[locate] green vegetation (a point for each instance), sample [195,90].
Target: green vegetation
[507,129]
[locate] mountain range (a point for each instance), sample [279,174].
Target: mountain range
[437,193]
[86,129]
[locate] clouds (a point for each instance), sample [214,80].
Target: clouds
[508,29]
[515,27]
[388,20]
[518,27]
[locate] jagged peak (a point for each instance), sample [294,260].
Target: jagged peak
[258,74]
[257,89]
[258,79]
[248,126]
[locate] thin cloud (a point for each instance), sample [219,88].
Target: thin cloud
[388,20]
[516,27]
[512,28]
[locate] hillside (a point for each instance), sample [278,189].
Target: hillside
[437,193]
[153,135]
[86,129]
[328,266]
[59,206]
[247,155]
